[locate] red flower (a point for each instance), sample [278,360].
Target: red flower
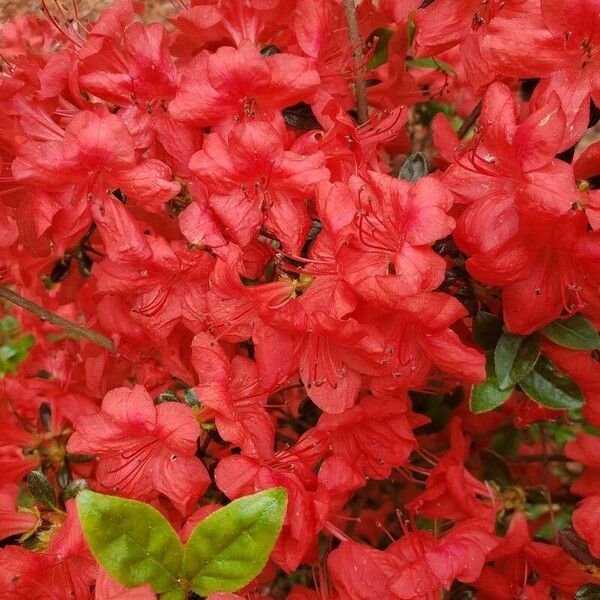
[479,28]
[247,179]
[93,155]
[567,59]
[65,569]
[451,492]
[143,450]
[374,436]
[239,83]
[516,557]
[384,226]
[12,521]
[168,280]
[547,267]
[232,391]
[416,567]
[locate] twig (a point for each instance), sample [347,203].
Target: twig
[45,315]
[360,85]
[469,121]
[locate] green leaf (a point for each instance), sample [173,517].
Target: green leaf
[430,63]
[132,541]
[487,329]
[231,546]
[514,357]
[576,333]
[414,167]
[380,54]
[174,595]
[41,489]
[551,387]
[588,591]
[487,395]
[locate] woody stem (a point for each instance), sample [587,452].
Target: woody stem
[360,85]
[45,315]
[469,121]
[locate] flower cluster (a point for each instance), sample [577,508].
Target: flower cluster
[246,282]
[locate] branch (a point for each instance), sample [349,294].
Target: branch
[360,85]
[469,121]
[45,315]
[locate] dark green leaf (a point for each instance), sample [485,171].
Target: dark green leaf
[588,591]
[380,54]
[514,357]
[487,329]
[231,546]
[132,541]
[576,333]
[487,395]
[414,167]
[430,63]
[551,387]
[41,489]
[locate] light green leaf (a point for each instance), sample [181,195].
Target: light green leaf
[430,63]
[132,541]
[514,357]
[487,395]
[231,546]
[174,595]
[576,333]
[551,387]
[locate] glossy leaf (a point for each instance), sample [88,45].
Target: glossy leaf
[487,329]
[576,333]
[551,387]
[487,395]
[231,546]
[132,541]
[514,357]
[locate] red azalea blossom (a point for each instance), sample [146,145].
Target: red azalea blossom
[144,450]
